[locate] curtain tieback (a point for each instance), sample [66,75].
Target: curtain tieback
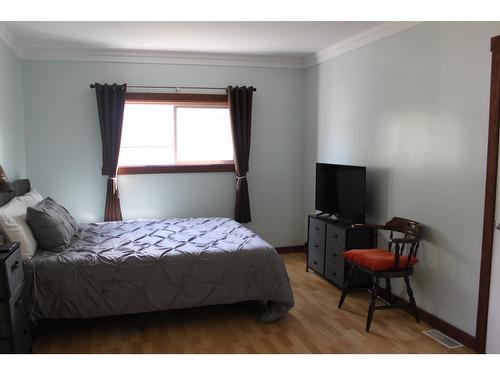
[115,183]
[238,181]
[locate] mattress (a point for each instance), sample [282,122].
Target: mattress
[128,267]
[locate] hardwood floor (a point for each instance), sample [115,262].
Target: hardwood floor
[314,325]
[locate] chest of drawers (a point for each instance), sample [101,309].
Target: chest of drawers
[327,240]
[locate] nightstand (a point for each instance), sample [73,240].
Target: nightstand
[15,329]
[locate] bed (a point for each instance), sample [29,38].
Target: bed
[137,266]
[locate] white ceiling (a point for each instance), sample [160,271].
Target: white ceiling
[259,38]
[281,43]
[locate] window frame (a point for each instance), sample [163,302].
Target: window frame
[179,100]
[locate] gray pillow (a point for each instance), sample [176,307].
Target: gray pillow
[52,225]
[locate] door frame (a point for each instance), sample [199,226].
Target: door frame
[489,199]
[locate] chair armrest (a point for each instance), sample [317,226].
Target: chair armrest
[370,226]
[404,240]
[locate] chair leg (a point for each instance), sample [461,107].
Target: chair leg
[413,304]
[373,300]
[388,287]
[346,286]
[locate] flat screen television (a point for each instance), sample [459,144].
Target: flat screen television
[340,191]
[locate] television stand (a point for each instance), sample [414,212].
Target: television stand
[327,240]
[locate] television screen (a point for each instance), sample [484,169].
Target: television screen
[340,190]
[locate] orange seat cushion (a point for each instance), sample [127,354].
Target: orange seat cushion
[377,259]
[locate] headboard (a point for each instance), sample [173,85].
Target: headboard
[21,187]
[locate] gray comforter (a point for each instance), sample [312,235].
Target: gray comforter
[149,265]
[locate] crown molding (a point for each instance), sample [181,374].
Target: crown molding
[364,38]
[378,32]
[162,57]
[7,37]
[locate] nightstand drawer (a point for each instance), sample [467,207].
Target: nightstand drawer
[6,345]
[334,254]
[13,313]
[20,343]
[315,262]
[13,274]
[335,235]
[5,327]
[334,273]
[316,229]
[22,339]
[15,322]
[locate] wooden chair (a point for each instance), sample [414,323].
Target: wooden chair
[387,264]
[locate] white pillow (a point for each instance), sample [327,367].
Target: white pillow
[13,222]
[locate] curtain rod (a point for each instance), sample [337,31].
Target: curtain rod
[177,88]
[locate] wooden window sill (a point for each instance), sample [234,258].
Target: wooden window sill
[178,168]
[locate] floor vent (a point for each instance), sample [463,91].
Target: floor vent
[442,338]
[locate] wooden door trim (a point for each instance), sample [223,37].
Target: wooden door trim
[489,199]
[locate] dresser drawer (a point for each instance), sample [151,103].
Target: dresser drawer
[13,313]
[12,270]
[334,273]
[336,235]
[334,254]
[316,229]
[315,262]
[316,246]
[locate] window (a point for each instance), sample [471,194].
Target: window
[168,133]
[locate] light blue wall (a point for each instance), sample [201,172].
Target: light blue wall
[414,109]
[64,151]
[12,150]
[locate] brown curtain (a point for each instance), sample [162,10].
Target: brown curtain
[110,105]
[240,110]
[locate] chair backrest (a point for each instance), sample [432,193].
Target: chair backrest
[410,230]
[406,226]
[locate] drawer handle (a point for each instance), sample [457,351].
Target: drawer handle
[18,302]
[335,255]
[335,236]
[316,227]
[334,273]
[315,245]
[15,266]
[315,261]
